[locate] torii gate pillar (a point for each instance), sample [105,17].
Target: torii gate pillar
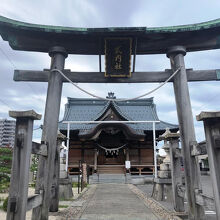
[49,135]
[187,132]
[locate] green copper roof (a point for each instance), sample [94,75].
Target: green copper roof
[35,37]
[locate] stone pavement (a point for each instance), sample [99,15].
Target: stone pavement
[115,201]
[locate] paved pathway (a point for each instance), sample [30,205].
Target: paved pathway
[116,201]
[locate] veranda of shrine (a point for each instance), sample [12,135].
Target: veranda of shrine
[58,42]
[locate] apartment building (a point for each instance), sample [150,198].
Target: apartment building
[7,132]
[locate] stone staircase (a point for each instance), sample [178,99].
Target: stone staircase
[109,174]
[109,178]
[110,169]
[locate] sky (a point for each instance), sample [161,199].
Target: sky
[104,13]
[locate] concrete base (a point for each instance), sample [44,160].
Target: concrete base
[65,188]
[162,190]
[141,180]
[63,175]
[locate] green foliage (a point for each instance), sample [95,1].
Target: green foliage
[206,162]
[75,184]
[63,206]
[5,150]
[5,168]
[5,204]
[32,185]
[4,183]
[34,166]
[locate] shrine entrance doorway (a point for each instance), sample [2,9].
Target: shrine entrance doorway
[111,163]
[114,158]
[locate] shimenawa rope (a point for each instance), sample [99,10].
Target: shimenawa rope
[117,100]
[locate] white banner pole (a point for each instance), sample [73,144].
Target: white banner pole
[68,144]
[155,151]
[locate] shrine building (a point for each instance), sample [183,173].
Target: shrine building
[106,146]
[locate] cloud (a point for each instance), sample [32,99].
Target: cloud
[172,12]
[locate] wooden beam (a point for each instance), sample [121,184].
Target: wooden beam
[98,77]
[34,201]
[39,149]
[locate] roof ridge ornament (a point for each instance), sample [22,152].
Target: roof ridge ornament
[111,95]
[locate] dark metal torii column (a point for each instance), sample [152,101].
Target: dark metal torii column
[49,135]
[187,132]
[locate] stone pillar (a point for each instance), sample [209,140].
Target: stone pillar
[18,192]
[54,205]
[187,132]
[162,185]
[49,135]
[84,174]
[211,122]
[65,183]
[175,165]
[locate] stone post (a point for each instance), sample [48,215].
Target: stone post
[54,205]
[175,159]
[65,183]
[211,122]
[187,132]
[95,159]
[162,184]
[84,174]
[49,135]
[18,192]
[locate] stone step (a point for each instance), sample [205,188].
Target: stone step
[110,169]
[109,178]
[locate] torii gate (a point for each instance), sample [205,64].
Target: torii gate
[61,41]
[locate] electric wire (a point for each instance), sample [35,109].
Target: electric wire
[8,58]
[3,102]
[14,66]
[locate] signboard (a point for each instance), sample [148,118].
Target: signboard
[127,164]
[118,57]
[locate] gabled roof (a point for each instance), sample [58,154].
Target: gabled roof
[92,110]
